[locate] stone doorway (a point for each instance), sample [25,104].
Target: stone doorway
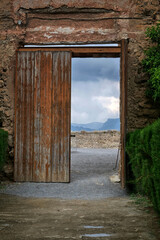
[120,51]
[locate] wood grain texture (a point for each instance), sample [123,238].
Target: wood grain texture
[96,52]
[123,112]
[42,116]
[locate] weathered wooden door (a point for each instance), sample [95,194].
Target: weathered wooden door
[42,116]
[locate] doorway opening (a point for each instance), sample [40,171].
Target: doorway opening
[42,103]
[95,118]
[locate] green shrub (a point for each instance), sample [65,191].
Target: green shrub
[151,63]
[3,147]
[143,149]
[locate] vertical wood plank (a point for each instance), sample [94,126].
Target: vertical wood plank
[61,116]
[48,116]
[16,117]
[124,67]
[26,156]
[36,164]
[54,114]
[28,117]
[53,123]
[24,125]
[63,82]
[45,117]
[67,115]
[42,118]
[32,82]
[21,127]
[68,155]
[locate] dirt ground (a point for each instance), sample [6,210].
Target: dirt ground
[90,207]
[112,218]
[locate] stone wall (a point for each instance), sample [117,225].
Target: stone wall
[76,22]
[95,139]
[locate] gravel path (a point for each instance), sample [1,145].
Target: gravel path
[90,172]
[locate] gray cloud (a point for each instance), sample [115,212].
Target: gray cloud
[95,91]
[89,69]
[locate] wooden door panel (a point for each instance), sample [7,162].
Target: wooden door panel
[42,116]
[61,107]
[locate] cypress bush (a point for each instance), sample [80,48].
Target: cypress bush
[3,147]
[143,149]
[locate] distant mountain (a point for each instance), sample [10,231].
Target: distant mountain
[111,124]
[93,125]
[80,128]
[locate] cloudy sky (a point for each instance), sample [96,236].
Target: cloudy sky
[95,89]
